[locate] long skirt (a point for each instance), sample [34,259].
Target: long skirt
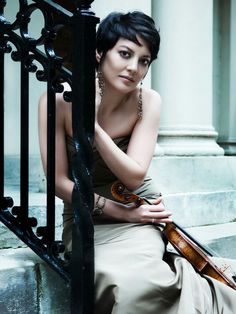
[136,275]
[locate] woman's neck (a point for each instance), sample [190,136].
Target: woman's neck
[111,100]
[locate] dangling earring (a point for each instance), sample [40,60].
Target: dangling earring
[101,82]
[140,102]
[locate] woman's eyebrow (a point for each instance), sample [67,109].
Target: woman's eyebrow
[124,46]
[131,50]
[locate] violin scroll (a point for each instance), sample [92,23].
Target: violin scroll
[121,194]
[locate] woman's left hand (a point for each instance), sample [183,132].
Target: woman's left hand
[159,208]
[149,213]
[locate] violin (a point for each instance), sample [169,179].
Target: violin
[183,242]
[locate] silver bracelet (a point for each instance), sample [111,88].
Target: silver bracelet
[98,209]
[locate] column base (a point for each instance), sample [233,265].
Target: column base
[188,142]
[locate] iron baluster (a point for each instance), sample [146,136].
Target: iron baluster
[4,48]
[24,144]
[50,161]
[83,91]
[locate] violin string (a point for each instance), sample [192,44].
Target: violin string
[226,267]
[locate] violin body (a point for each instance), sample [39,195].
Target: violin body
[195,255]
[184,243]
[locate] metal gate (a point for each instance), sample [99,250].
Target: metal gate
[76,66]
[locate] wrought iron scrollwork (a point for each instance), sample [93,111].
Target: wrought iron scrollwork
[53,25]
[5,47]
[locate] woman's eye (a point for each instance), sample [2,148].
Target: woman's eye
[145,61]
[124,54]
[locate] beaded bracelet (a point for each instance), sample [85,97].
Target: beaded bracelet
[98,209]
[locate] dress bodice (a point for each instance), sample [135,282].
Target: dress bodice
[103,178]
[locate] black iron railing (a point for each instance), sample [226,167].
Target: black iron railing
[76,66]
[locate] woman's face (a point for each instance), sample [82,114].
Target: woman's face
[126,64]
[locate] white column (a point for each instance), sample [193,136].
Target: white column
[183,76]
[225,74]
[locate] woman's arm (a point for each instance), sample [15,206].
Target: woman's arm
[131,167]
[63,185]
[129,213]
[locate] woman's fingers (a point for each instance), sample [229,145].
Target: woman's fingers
[157,208]
[158,216]
[157,213]
[146,213]
[156,201]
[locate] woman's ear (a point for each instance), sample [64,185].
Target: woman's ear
[98,56]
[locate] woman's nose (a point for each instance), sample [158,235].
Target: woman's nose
[133,65]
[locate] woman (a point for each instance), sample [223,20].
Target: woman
[133,275]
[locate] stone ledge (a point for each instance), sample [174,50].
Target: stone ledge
[194,174]
[202,208]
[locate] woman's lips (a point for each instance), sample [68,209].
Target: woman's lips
[127,78]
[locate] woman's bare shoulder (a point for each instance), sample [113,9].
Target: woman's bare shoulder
[61,104]
[151,101]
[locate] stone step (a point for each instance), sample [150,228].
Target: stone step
[29,286]
[220,238]
[202,208]
[209,216]
[37,289]
[197,211]
[37,208]
[189,208]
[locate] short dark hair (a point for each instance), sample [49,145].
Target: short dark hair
[128,26]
